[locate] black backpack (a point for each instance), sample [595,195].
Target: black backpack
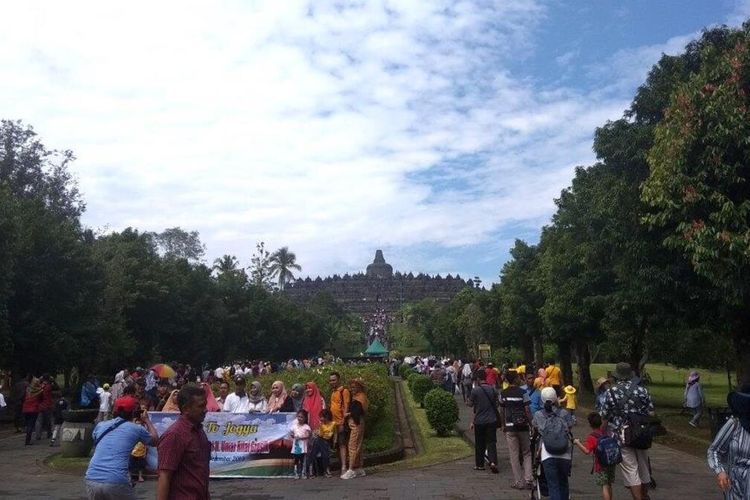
[636,432]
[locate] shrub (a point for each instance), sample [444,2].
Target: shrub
[411,378]
[442,411]
[421,385]
[405,370]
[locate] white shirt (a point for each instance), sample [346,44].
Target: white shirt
[235,404]
[2,401]
[259,407]
[103,399]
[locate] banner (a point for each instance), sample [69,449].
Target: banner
[252,445]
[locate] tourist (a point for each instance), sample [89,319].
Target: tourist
[238,402]
[127,400]
[356,422]
[184,451]
[44,419]
[107,476]
[693,398]
[604,475]
[491,375]
[340,401]
[171,404]
[300,432]
[552,424]
[569,400]
[118,385]
[484,401]
[211,403]
[540,382]
[223,393]
[31,403]
[18,396]
[623,403]
[312,404]
[601,387]
[729,454]
[61,405]
[324,443]
[534,392]
[104,401]
[516,419]
[89,397]
[162,394]
[554,377]
[466,383]
[256,401]
[278,397]
[297,396]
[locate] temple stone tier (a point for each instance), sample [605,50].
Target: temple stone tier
[378,288]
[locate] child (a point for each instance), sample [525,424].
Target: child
[604,476]
[104,396]
[569,400]
[57,418]
[324,442]
[301,434]
[138,461]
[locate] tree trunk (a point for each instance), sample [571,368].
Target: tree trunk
[566,364]
[66,375]
[636,358]
[527,348]
[584,366]
[538,350]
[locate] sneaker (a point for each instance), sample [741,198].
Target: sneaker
[350,474]
[359,472]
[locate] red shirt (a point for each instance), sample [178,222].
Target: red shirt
[184,449]
[490,376]
[47,402]
[31,403]
[590,445]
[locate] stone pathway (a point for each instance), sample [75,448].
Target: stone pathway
[679,476]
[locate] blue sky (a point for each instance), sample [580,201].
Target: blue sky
[437,131]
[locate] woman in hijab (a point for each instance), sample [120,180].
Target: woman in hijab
[312,404]
[729,454]
[211,403]
[258,402]
[693,397]
[297,396]
[171,404]
[356,423]
[278,397]
[30,407]
[541,379]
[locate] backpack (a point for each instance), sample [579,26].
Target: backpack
[636,432]
[607,450]
[515,411]
[554,432]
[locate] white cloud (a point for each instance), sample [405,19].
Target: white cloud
[324,127]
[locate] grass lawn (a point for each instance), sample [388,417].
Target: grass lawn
[436,449]
[667,388]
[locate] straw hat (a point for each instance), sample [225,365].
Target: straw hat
[599,382]
[569,389]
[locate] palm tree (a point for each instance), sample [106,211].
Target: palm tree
[226,264]
[282,263]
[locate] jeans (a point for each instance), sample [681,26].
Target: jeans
[30,421]
[697,414]
[109,491]
[485,439]
[556,472]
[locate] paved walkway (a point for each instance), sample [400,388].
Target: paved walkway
[679,476]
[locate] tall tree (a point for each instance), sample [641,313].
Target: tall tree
[260,268]
[282,263]
[176,243]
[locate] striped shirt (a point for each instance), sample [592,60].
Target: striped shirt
[730,453]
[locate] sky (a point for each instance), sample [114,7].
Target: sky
[436,131]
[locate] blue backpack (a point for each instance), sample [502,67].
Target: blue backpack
[607,450]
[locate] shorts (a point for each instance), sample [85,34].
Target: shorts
[634,467]
[605,476]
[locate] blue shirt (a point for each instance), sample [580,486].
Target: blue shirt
[112,455]
[535,395]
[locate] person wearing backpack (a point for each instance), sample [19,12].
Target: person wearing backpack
[606,452]
[483,400]
[516,419]
[626,411]
[553,424]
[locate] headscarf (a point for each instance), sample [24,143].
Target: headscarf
[255,398]
[541,379]
[211,403]
[300,391]
[312,405]
[171,405]
[360,395]
[276,402]
[739,403]
[693,378]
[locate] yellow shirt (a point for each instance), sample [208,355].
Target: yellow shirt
[570,401]
[521,370]
[326,430]
[340,399]
[553,375]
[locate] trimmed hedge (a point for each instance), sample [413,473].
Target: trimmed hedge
[405,370]
[420,386]
[442,411]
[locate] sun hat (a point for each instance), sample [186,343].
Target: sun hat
[694,375]
[569,389]
[600,382]
[105,386]
[623,371]
[549,394]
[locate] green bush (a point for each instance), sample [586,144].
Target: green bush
[421,385]
[442,411]
[411,378]
[405,370]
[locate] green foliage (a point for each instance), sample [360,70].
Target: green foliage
[261,275]
[420,386]
[405,371]
[442,411]
[282,262]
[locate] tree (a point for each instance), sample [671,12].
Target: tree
[176,243]
[282,262]
[226,264]
[260,268]
[699,184]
